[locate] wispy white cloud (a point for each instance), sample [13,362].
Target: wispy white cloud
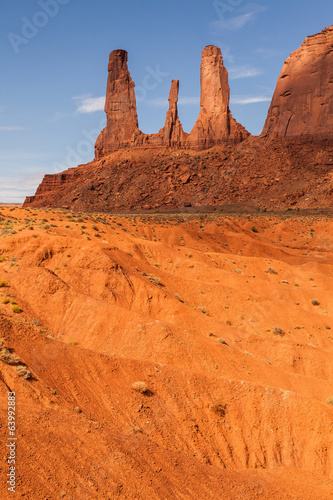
[191,101]
[58,116]
[238,72]
[14,189]
[88,104]
[159,103]
[238,18]
[227,54]
[249,100]
[12,128]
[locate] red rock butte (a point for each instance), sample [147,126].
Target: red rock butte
[302,105]
[215,123]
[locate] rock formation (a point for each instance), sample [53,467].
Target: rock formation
[214,125]
[302,104]
[268,171]
[173,134]
[215,122]
[120,107]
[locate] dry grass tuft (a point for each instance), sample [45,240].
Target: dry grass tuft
[23,372]
[278,331]
[8,358]
[219,409]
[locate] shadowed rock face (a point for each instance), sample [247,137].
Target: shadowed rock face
[302,104]
[215,122]
[214,125]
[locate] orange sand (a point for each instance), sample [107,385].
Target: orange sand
[108,301]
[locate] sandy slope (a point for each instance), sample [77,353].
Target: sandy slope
[188,305]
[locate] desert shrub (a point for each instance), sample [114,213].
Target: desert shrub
[329,400]
[315,302]
[271,270]
[8,358]
[254,229]
[23,372]
[222,341]
[16,309]
[5,300]
[154,279]
[140,387]
[3,284]
[219,409]
[278,331]
[204,311]
[72,342]
[7,231]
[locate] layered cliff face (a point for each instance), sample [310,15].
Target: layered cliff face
[215,123]
[302,104]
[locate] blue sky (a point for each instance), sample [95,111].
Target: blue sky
[54,56]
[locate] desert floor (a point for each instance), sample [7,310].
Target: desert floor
[227,319]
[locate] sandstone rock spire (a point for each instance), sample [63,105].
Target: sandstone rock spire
[173,134]
[302,104]
[215,123]
[120,107]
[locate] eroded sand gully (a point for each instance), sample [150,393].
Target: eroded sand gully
[227,319]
